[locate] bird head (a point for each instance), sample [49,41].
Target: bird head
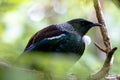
[82,26]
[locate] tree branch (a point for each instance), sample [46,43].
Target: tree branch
[106,67]
[103,29]
[99,47]
[108,47]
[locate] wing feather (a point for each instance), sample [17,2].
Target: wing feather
[47,32]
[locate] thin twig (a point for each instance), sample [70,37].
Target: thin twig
[108,47]
[99,47]
[106,67]
[109,57]
[103,29]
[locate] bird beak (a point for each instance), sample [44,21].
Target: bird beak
[96,24]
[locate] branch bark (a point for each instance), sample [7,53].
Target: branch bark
[108,47]
[103,29]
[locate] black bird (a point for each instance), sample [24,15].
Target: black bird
[66,38]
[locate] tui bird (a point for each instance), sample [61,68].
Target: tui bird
[65,38]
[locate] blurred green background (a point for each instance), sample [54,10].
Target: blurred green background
[20,19]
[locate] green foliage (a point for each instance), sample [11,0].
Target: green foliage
[117,3]
[17,26]
[7,5]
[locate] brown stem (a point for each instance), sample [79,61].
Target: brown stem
[103,29]
[106,67]
[99,47]
[108,47]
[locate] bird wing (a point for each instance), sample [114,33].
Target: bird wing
[48,32]
[48,44]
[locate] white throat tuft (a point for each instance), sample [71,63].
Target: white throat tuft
[86,39]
